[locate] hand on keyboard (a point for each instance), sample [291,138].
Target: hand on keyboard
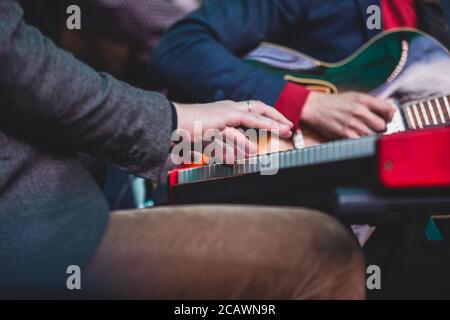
[217,126]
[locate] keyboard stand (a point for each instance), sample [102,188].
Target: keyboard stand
[403,220]
[367,206]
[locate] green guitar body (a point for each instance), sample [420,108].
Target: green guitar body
[371,69]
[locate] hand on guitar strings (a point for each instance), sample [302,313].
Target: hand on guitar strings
[346,115]
[219,126]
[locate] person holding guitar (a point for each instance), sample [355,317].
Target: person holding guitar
[200,57]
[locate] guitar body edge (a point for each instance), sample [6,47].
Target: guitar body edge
[377,63]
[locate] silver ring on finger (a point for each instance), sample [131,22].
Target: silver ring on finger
[249,106]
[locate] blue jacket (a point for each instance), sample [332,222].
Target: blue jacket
[199,58]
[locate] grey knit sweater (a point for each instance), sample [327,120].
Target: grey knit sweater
[52,106]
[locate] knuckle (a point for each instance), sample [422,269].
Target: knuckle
[389,110]
[361,98]
[346,127]
[262,106]
[347,133]
[353,94]
[346,122]
[359,110]
[237,117]
[383,107]
[256,105]
[381,125]
[352,123]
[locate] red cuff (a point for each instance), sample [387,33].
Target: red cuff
[398,13]
[291,101]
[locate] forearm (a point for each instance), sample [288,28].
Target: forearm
[201,56]
[208,72]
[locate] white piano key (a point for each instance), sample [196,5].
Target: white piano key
[440,110]
[416,113]
[425,114]
[432,112]
[410,117]
[447,106]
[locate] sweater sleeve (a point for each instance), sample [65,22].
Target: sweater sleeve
[55,96]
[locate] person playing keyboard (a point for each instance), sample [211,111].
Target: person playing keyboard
[53,215]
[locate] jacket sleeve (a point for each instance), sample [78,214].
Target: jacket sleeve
[50,93]
[200,56]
